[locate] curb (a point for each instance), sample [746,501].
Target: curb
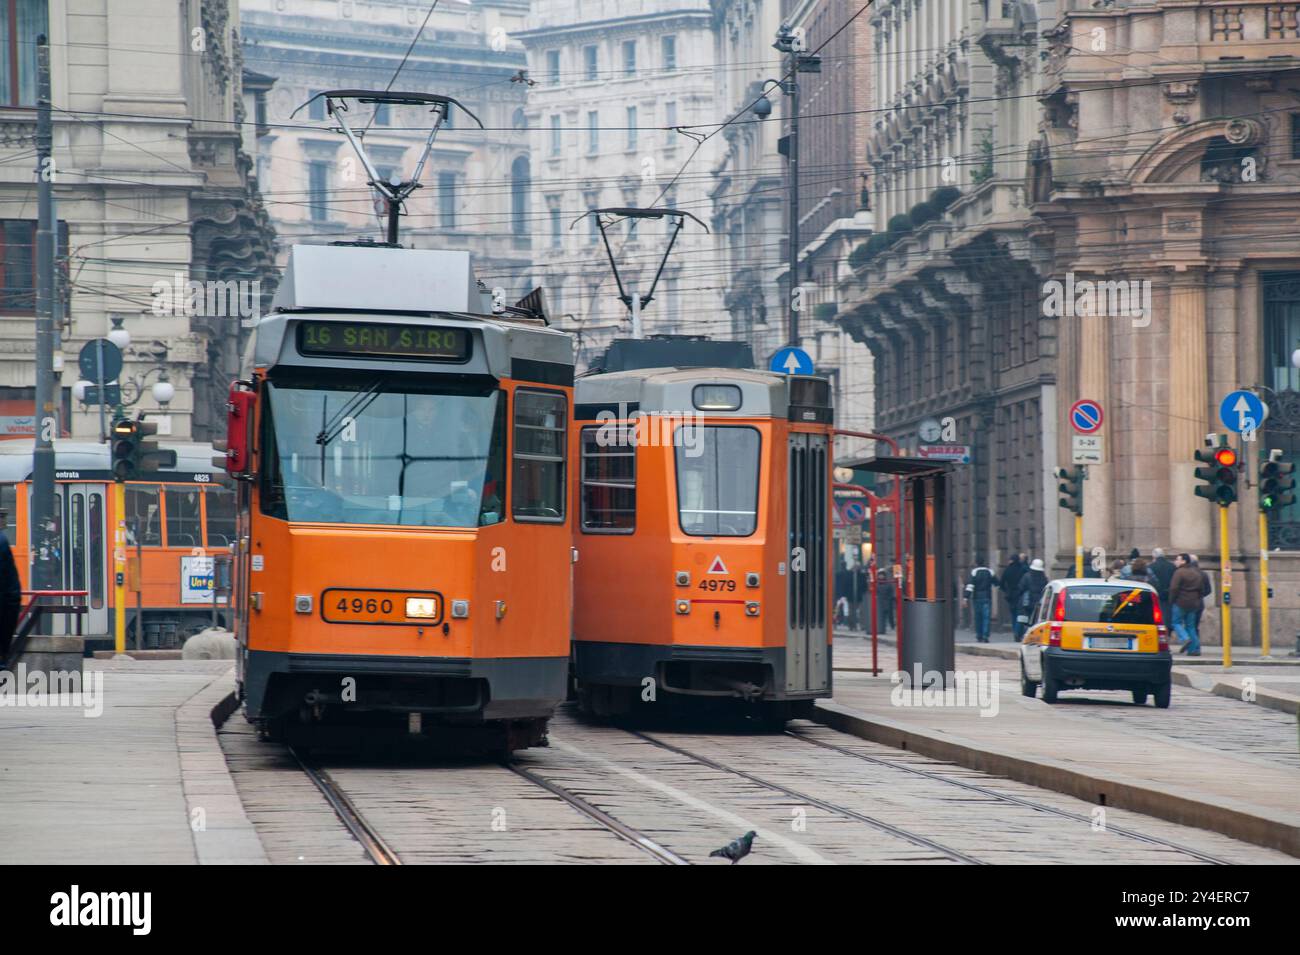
[226,836]
[1229,817]
[1208,683]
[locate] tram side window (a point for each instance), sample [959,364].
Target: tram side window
[717,480]
[183,528]
[9,504]
[143,517]
[608,483]
[221,516]
[540,431]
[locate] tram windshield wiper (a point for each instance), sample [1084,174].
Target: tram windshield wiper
[353,407]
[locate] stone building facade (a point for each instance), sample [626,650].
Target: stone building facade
[1123,229]
[613,79]
[150,183]
[477,184]
[946,294]
[1169,159]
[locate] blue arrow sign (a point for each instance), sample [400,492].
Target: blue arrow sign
[1242,411]
[791,361]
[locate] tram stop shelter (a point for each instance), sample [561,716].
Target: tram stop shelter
[927,618]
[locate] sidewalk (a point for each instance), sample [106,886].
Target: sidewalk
[144,782]
[1209,761]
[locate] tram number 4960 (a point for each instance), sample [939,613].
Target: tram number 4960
[368,605]
[717,585]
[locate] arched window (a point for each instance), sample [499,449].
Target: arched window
[520,182]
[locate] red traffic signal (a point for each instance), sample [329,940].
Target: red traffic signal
[1225,458]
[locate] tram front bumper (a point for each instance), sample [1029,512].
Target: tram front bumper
[277,683]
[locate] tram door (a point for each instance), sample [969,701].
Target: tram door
[806,656]
[84,554]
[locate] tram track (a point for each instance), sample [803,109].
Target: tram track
[916,839]
[1006,797]
[374,845]
[621,829]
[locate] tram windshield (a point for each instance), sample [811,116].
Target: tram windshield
[383,451]
[717,482]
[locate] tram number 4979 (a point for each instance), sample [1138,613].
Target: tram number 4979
[717,585]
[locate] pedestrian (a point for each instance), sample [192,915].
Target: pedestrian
[1015,569]
[1029,593]
[861,597]
[1162,568]
[979,595]
[1207,588]
[1140,571]
[885,599]
[1118,570]
[1185,594]
[843,589]
[11,592]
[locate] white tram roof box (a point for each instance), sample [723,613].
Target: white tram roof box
[380,279]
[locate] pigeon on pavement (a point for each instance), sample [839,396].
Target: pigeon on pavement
[736,849]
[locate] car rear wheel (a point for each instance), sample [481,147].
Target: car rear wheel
[1140,697]
[1027,686]
[1162,696]
[1051,687]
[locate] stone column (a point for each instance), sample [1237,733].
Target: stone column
[1094,382]
[1190,518]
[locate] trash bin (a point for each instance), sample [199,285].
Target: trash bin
[928,642]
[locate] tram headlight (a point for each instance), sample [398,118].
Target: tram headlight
[751,608]
[683,606]
[422,607]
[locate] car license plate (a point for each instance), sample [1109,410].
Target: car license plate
[1109,643]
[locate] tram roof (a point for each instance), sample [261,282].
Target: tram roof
[421,288]
[90,459]
[658,390]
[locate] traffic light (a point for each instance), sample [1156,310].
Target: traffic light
[1220,475]
[133,453]
[1276,482]
[1070,488]
[125,442]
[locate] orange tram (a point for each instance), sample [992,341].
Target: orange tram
[175,522]
[405,538]
[704,492]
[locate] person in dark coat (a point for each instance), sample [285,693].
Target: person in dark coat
[1011,585]
[11,591]
[1162,569]
[885,600]
[979,594]
[1030,590]
[1187,594]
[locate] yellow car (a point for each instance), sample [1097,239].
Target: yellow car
[1088,634]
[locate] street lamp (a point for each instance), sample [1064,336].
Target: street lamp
[118,335]
[791,42]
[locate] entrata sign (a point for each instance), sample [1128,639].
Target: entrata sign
[1086,416]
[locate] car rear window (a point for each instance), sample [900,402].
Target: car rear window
[1109,605]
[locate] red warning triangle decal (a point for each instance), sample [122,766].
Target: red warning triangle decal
[718,567]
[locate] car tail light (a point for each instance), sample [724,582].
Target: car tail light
[1058,620]
[1162,632]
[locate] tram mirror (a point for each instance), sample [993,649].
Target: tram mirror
[239,424]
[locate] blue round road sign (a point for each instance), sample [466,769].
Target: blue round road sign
[791,361]
[1242,411]
[855,512]
[1085,416]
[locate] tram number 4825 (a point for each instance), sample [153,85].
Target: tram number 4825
[717,585]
